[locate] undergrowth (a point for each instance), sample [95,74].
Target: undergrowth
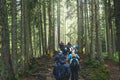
[94,70]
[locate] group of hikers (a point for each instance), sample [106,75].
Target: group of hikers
[66,62]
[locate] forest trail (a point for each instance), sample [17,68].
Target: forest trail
[114,69]
[41,69]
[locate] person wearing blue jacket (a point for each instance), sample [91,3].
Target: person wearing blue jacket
[61,70]
[59,56]
[74,57]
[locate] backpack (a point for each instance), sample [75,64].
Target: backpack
[74,65]
[59,57]
[61,72]
[73,55]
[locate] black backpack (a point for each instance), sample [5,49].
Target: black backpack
[74,65]
[60,72]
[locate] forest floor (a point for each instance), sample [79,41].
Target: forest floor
[114,69]
[41,69]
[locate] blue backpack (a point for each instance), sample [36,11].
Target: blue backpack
[59,57]
[61,72]
[74,65]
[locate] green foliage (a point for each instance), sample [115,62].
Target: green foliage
[93,63]
[95,70]
[100,76]
[104,55]
[96,64]
[116,57]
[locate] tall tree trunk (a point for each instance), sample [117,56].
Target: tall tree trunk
[50,26]
[92,50]
[25,34]
[53,24]
[14,35]
[66,19]
[40,25]
[45,27]
[78,22]
[117,24]
[30,32]
[30,42]
[7,69]
[86,28]
[22,33]
[108,36]
[110,28]
[98,33]
[58,19]
[26,29]
[82,25]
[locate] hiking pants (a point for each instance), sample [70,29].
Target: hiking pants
[74,75]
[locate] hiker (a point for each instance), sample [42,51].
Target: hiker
[59,56]
[69,45]
[73,51]
[61,71]
[62,46]
[76,47]
[74,64]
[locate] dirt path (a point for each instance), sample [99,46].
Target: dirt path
[43,70]
[114,69]
[44,66]
[50,76]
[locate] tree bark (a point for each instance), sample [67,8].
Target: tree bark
[7,72]
[98,33]
[117,24]
[92,50]
[108,36]
[14,35]
[58,19]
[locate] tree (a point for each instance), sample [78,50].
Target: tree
[24,33]
[98,32]
[86,27]
[80,24]
[40,26]
[92,50]
[108,36]
[58,19]
[7,69]
[45,27]
[14,35]
[51,27]
[117,24]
